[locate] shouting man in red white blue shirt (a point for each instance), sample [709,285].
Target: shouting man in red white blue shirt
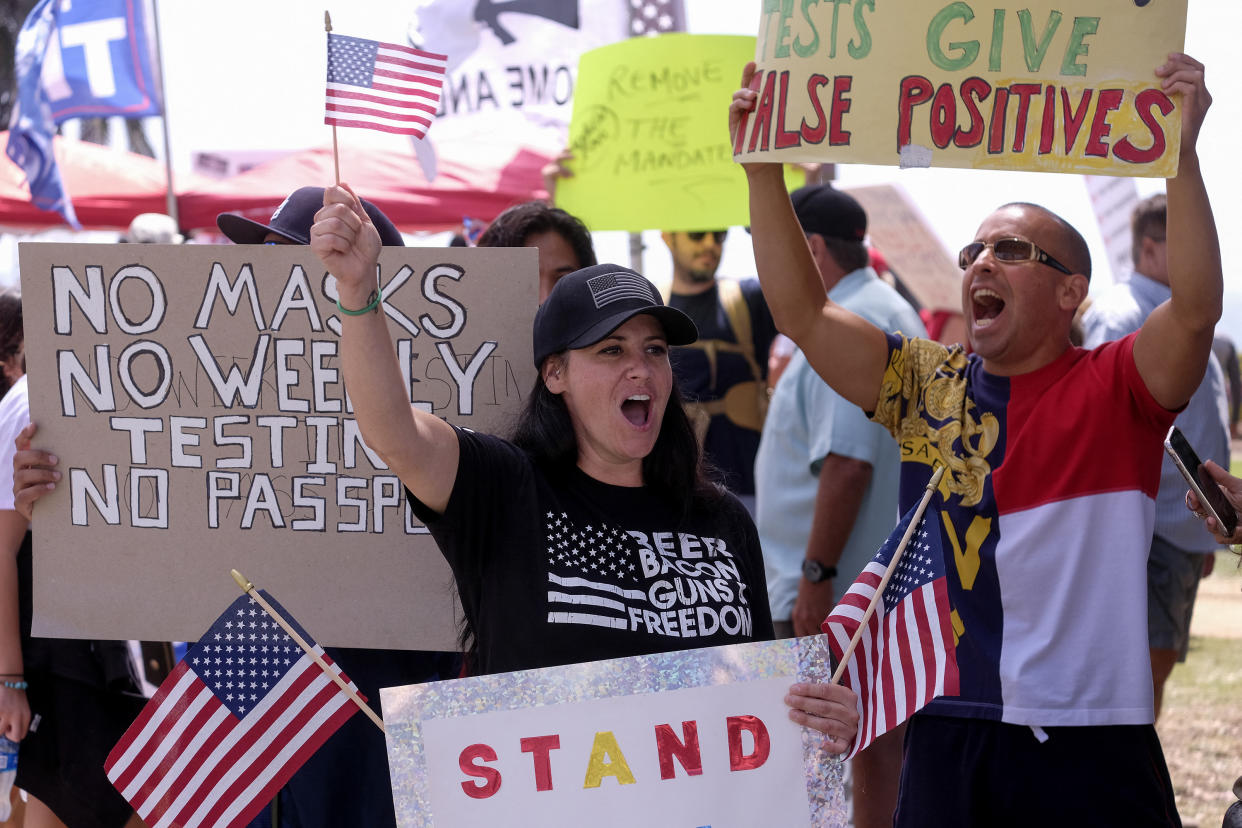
[1053,456]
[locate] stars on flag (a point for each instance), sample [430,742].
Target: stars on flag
[605,550]
[251,639]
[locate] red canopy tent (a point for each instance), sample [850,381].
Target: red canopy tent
[393,181]
[108,187]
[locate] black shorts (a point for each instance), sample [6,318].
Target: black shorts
[973,772]
[61,762]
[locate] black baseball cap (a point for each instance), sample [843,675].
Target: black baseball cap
[293,220]
[825,210]
[588,304]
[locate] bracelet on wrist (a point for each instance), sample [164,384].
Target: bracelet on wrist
[15,685]
[376,297]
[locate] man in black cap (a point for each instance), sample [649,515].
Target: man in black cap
[346,781]
[826,478]
[724,374]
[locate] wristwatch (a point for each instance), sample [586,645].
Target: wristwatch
[815,572]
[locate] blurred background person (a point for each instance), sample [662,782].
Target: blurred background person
[66,701]
[563,242]
[1227,356]
[827,476]
[152,228]
[1180,553]
[724,375]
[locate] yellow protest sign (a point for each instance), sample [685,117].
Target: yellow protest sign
[651,150]
[955,84]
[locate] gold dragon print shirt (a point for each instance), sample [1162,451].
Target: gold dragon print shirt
[1048,503]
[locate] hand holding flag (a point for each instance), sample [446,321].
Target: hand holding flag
[891,631]
[232,722]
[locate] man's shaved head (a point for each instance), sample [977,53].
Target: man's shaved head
[1070,247]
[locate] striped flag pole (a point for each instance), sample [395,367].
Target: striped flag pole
[892,566]
[249,589]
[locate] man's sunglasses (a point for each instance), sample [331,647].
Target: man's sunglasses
[699,235]
[1013,251]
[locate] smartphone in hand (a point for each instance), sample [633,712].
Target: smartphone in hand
[1201,483]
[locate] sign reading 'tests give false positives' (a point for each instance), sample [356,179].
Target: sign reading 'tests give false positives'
[1041,85]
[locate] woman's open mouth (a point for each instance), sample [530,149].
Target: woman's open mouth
[637,409]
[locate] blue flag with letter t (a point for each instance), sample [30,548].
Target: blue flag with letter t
[75,60]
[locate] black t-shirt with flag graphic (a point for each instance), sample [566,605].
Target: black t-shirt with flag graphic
[559,568]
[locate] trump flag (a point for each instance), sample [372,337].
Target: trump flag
[905,656]
[75,60]
[231,723]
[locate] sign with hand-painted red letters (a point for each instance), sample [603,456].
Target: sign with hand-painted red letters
[1043,85]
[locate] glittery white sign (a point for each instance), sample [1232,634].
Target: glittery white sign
[693,738]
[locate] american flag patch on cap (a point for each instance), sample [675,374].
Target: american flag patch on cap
[613,287]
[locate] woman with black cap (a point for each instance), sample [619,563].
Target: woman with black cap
[594,532]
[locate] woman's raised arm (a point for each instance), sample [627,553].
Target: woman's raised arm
[418,447]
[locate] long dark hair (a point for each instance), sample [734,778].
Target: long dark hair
[675,469]
[12,334]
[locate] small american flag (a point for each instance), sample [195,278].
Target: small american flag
[231,723]
[906,656]
[382,86]
[607,288]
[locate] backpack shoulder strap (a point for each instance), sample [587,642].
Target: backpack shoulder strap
[735,307]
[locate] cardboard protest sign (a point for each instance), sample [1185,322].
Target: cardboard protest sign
[696,738]
[648,137]
[194,396]
[1113,201]
[1033,85]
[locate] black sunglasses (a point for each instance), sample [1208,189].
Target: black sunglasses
[698,235]
[1013,251]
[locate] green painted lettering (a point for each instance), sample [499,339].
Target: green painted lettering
[998,40]
[804,50]
[863,48]
[1033,52]
[1075,49]
[771,15]
[836,9]
[966,50]
[782,30]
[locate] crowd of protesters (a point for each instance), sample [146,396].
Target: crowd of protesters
[652,404]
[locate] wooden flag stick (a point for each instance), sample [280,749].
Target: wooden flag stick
[249,589]
[336,158]
[888,573]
